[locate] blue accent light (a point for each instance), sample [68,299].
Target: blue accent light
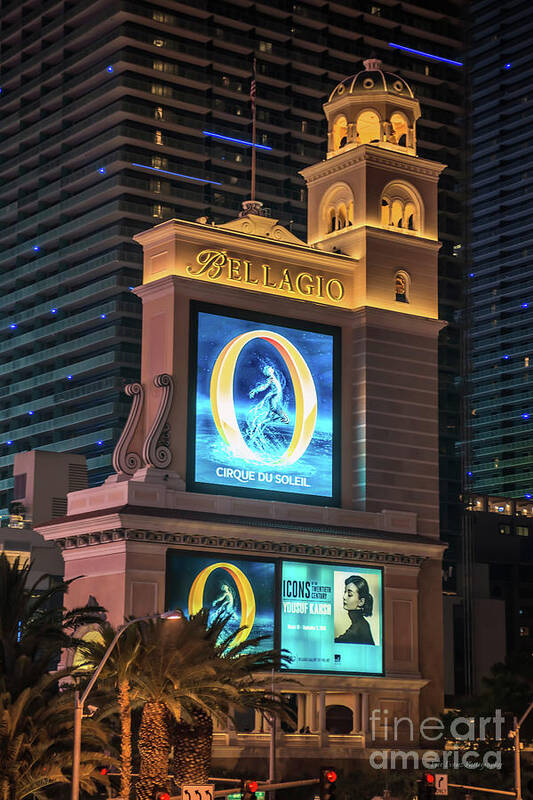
[471,274]
[501,509]
[422,53]
[524,305]
[101,170]
[177,174]
[508,65]
[69,377]
[131,288]
[528,496]
[9,441]
[469,474]
[30,413]
[99,442]
[506,357]
[36,248]
[13,326]
[53,311]
[525,415]
[237,141]
[103,316]
[109,68]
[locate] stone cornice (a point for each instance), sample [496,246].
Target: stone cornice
[258,547]
[219,237]
[398,321]
[400,163]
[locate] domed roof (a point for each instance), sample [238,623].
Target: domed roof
[372,79]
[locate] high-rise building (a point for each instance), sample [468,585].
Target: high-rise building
[500,412]
[116,116]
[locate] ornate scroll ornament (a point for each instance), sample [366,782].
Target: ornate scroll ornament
[156,452]
[124,461]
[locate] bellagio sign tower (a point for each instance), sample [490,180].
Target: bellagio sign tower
[280,459]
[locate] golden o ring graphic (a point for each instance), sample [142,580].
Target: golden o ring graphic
[246,595]
[223,405]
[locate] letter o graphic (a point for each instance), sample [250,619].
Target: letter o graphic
[223,405]
[246,595]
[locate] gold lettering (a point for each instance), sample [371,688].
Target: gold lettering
[247,274]
[286,280]
[234,267]
[320,285]
[266,276]
[329,292]
[212,260]
[308,288]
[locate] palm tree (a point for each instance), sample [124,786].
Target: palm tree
[116,673]
[191,668]
[36,718]
[36,743]
[35,624]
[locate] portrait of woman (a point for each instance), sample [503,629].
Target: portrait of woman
[358,603]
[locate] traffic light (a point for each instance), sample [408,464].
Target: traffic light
[161,795]
[248,790]
[328,783]
[426,786]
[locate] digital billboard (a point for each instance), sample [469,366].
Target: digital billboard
[242,589]
[263,406]
[332,617]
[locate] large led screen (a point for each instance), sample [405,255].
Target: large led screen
[242,589]
[263,418]
[332,617]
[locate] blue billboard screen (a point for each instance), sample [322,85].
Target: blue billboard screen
[242,589]
[263,405]
[332,617]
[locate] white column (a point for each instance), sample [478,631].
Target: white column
[301,698]
[364,713]
[258,721]
[322,718]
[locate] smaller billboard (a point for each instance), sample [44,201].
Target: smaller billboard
[240,588]
[332,617]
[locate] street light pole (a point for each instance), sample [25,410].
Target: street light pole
[516,736]
[79,702]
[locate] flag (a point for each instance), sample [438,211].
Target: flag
[253,89]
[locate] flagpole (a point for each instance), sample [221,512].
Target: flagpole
[252,98]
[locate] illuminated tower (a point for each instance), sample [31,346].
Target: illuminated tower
[375,200]
[283,435]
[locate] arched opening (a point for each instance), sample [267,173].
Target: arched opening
[290,726]
[409,217]
[401,208]
[342,216]
[339,720]
[244,720]
[396,214]
[337,208]
[368,128]
[340,132]
[385,212]
[401,287]
[399,129]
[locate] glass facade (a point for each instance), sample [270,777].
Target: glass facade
[106,114]
[500,278]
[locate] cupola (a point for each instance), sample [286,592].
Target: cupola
[372,107]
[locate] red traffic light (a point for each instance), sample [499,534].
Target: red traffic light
[103,771]
[331,776]
[429,778]
[252,786]
[164,796]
